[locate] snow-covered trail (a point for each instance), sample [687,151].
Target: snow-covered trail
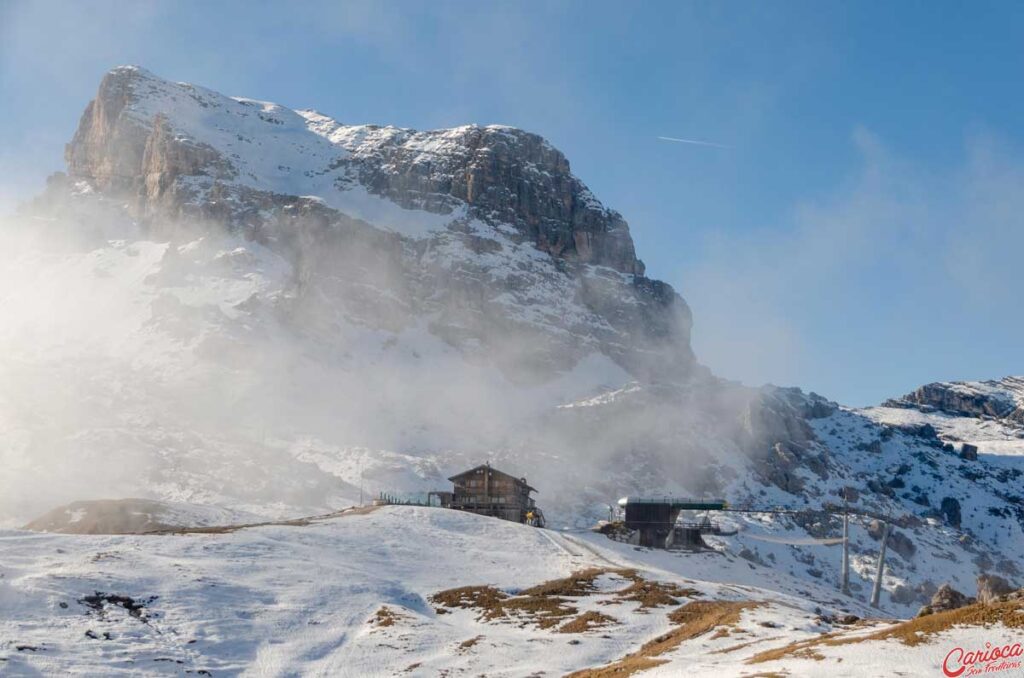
[582,552]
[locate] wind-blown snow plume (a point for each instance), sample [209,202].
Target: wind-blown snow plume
[191,319]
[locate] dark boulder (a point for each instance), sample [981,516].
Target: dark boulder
[946,598]
[950,510]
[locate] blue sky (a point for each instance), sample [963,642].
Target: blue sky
[861,234]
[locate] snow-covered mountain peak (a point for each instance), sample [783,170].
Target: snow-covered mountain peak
[483,230]
[143,127]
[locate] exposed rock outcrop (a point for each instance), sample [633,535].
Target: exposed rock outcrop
[456,209]
[132,136]
[950,510]
[898,541]
[505,175]
[946,598]
[991,587]
[999,399]
[969,452]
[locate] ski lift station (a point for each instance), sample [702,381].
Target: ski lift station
[654,522]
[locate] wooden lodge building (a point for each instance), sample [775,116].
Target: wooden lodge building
[490,492]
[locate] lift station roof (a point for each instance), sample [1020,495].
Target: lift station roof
[683,503]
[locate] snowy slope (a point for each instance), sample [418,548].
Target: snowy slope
[909,478]
[308,601]
[953,519]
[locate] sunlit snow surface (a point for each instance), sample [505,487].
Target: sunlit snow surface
[277,601]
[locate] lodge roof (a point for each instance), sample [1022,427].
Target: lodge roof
[494,471]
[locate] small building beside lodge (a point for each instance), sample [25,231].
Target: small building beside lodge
[654,522]
[490,492]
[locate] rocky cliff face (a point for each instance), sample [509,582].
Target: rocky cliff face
[996,399]
[458,218]
[503,175]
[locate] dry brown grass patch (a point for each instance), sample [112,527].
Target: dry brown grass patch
[654,593]
[544,611]
[915,631]
[586,622]
[549,604]
[626,666]
[703,615]
[802,649]
[487,599]
[493,605]
[912,632]
[466,645]
[576,585]
[648,593]
[385,616]
[693,619]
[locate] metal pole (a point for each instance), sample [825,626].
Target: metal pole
[844,581]
[877,590]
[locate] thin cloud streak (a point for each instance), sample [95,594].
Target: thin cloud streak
[694,142]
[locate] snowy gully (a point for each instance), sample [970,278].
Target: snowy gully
[960,662]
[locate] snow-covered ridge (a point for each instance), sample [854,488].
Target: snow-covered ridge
[481,232]
[134,516]
[413,182]
[994,398]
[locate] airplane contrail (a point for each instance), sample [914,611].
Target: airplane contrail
[694,142]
